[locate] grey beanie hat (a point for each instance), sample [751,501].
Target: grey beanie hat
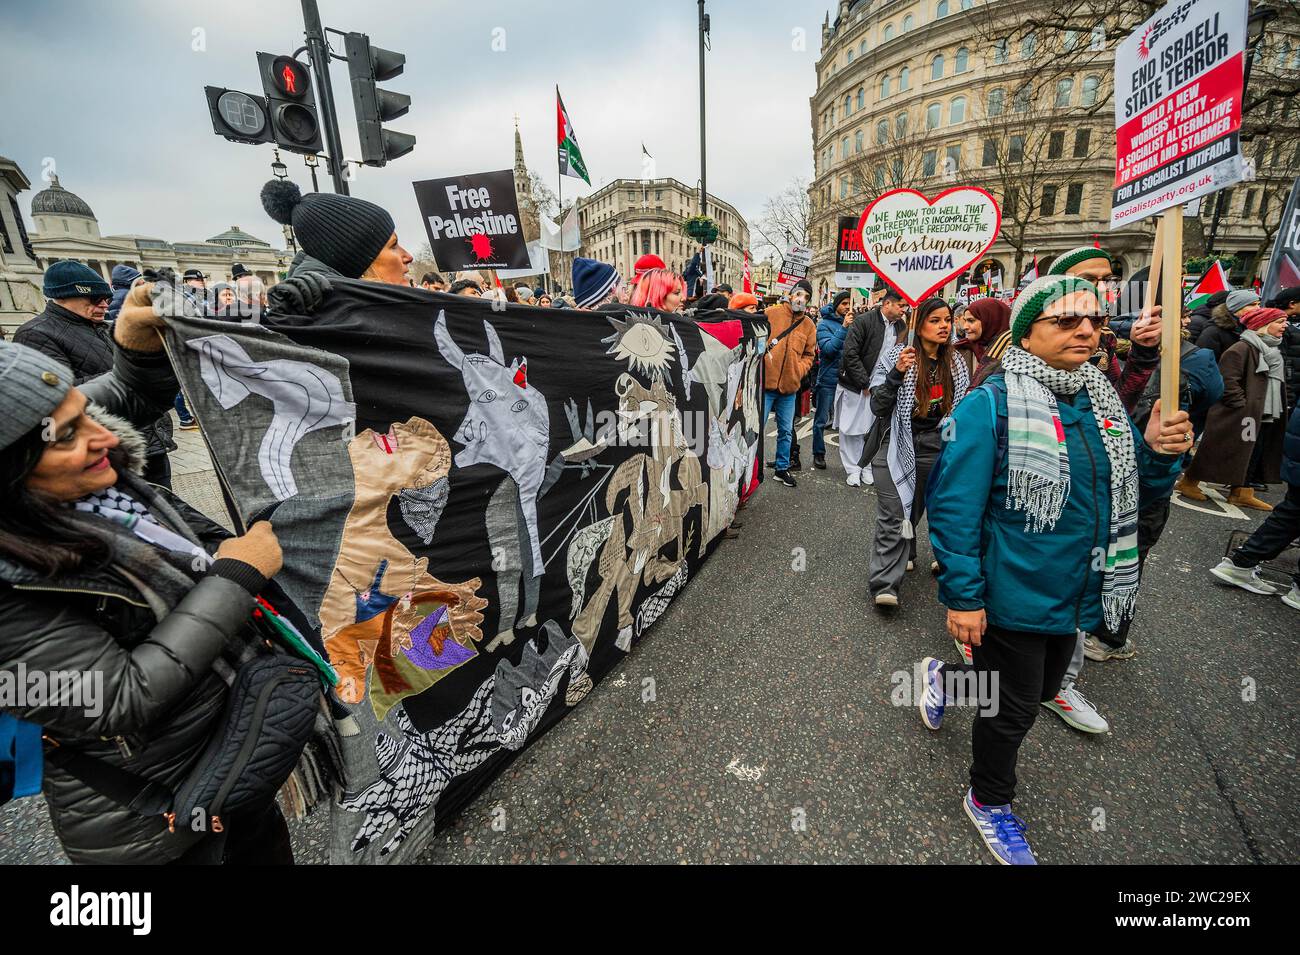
[32,385]
[1241,298]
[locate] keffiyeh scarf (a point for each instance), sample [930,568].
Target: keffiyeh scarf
[902,451]
[1038,464]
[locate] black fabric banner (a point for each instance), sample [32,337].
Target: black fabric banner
[484,506]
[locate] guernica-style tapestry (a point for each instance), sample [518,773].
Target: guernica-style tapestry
[483,508]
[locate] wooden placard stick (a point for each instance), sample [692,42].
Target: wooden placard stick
[1157,259]
[1171,319]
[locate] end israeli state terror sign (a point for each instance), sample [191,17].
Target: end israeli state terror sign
[473,221]
[1178,92]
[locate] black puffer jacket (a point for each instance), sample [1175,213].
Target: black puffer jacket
[1221,334]
[160,699]
[862,344]
[86,347]
[1291,359]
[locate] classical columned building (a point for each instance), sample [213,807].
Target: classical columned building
[629,218]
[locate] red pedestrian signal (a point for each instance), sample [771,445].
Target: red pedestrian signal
[289,77]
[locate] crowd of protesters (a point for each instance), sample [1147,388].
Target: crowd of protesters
[1025,434]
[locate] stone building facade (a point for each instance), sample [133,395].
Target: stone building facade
[932,94]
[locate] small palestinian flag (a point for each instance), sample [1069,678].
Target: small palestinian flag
[571,163]
[1214,280]
[1031,273]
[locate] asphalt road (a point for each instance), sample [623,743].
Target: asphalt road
[754,723]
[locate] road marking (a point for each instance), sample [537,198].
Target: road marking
[1233,512]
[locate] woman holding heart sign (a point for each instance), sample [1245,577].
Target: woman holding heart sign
[1033,516]
[916,385]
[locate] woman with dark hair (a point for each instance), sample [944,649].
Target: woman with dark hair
[986,319]
[108,581]
[916,384]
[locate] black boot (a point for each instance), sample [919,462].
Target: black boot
[819,462]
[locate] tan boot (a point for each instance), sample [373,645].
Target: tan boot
[1190,489]
[1245,497]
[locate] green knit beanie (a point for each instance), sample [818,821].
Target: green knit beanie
[1068,260]
[1038,295]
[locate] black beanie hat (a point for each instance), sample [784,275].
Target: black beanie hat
[345,233]
[839,297]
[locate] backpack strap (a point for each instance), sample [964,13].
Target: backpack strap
[20,747]
[997,389]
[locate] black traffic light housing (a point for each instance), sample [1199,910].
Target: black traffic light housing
[291,103]
[240,117]
[366,65]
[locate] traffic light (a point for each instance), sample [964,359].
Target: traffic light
[240,117]
[291,104]
[366,65]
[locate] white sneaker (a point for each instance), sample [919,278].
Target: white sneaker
[886,599]
[911,565]
[854,480]
[868,479]
[1292,597]
[1247,578]
[1073,707]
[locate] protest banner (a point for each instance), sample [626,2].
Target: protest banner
[1178,93]
[1284,263]
[482,507]
[851,270]
[917,245]
[793,267]
[473,221]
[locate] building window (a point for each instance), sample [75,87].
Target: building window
[1000,51]
[1081,137]
[857,141]
[936,67]
[1021,103]
[844,188]
[1017,151]
[1069,40]
[1064,91]
[997,98]
[908,22]
[1074,199]
[898,171]
[1056,144]
[1011,204]
[889,31]
[884,86]
[1249,205]
[967,4]
[903,78]
[882,132]
[963,60]
[952,159]
[957,110]
[941,10]
[844,148]
[1098,38]
[932,116]
[900,126]
[862,48]
[1048,207]
[862,97]
[848,105]
[848,56]
[1090,85]
[990,156]
[929,161]
[1028,46]
[879,176]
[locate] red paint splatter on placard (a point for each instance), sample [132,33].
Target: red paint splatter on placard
[481,246]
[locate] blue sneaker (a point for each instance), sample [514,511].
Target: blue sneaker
[932,700]
[1002,831]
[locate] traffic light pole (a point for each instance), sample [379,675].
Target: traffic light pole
[704,206]
[320,64]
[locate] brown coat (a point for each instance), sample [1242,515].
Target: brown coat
[1224,453]
[785,364]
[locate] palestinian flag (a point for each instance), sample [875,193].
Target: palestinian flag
[1031,273]
[571,163]
[1214,280]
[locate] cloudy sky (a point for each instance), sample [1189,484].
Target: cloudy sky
[110,96]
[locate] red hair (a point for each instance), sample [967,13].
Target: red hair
[653,287]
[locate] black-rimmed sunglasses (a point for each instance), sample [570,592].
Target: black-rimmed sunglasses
[1069,321]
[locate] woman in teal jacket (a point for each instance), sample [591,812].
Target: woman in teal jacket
[1033,518]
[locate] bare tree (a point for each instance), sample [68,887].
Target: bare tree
[786,219]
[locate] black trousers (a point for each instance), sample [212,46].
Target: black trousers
[1028,668]
[1275,535]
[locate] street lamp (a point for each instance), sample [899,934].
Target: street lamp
[279,169]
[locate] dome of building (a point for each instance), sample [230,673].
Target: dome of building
[57,201]
[237,238]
